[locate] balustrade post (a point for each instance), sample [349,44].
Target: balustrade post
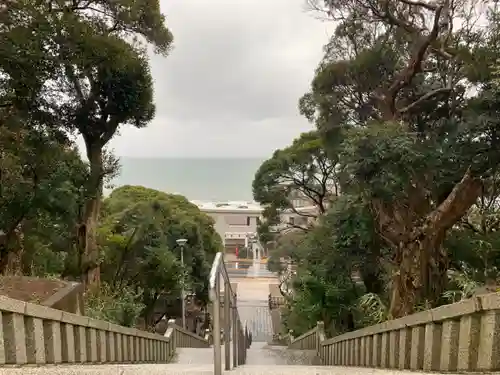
[243,345]
[216,329]
[241,342]
[227,325]
[320,330]
[236,332]
[248,342]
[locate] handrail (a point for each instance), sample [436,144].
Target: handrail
[232,321]
[186,339]
[306,341]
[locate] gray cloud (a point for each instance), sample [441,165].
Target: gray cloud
[231,84]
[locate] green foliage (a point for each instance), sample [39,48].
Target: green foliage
[41,175]
[39,172]
[383,159]
[415,143]
[138,236]
[122,81]
[303,167]
[462,286]
[82,66]
[303,171]
[374,310]
[115,306]
[286,246]
[84,69]
[200,225]
[337,262]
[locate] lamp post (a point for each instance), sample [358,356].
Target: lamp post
[182,242]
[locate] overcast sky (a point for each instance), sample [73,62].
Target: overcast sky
[231,84]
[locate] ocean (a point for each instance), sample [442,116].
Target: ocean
[198,179]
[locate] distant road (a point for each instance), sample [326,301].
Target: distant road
[248,268]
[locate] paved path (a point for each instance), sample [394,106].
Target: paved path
[256,267]
[197,356]
[258,319]
[250,289]
[263,354]
[202,369]
[253,305]
[259,354]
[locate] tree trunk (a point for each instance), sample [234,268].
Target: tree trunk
[371,274]
[87,242]
[12,250]
[15,261]
[371,270]
[4,251]
[421,277]
[420,260]
[150,303]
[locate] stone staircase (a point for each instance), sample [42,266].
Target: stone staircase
[259,354]
[261,359]
[457,338]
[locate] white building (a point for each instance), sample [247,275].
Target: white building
[236,222]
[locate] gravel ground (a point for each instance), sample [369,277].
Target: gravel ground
[181,369]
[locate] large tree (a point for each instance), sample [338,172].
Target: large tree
[120,92]
[139,230]
[394,87]
[86,70]
[302,171]
[40,177]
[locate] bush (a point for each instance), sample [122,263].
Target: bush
[123,307]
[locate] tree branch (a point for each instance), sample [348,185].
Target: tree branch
[424,97]
[428,6]
[461,198]
[405,77]
[470,226]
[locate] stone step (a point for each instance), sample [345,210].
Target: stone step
[302,370]
[258,354]
[195,356]
[182,369]
[279,356]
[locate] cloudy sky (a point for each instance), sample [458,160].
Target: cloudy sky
[231,84]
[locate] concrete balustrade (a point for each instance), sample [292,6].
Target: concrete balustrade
[460,337]
[275,302]
[35,334]
[186,339]
[307,341]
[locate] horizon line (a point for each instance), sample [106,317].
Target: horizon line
[192,157]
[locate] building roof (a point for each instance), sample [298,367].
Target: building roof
[233,206]
[240,206]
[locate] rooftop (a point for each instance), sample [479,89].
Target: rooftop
[239,206]
[228,206]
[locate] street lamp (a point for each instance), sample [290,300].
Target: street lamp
[182,242]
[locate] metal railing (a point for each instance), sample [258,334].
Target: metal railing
[234,330]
